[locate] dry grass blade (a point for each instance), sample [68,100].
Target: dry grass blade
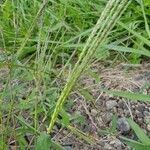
[89,139]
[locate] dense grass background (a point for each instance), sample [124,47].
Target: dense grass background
[39,45]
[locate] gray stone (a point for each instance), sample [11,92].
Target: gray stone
[146,113]
[121,104]
[123,125]
[111,104]
[141,107]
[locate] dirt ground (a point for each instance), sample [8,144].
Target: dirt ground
[100,108]
[99,113]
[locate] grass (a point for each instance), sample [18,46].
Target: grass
[43,52]
[97,36]
[144,140]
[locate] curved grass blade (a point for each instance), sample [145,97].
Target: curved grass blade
[139,132]
[134,144]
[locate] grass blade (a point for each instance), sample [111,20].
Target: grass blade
[80,134]
[129,95]
[145,19]
[20,50]
[146,41]
[134,144]
[138,131]
[127,49]
[43,142]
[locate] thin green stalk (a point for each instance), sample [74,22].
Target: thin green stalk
[24,42]
[147,28]
[139,36]
[96,38]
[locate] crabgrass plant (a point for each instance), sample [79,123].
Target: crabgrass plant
[105,23]
[68,23]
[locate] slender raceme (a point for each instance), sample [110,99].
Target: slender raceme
[105,23]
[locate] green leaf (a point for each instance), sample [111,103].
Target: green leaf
[3,144]
[24,123]
[53,143]
[114,124]
[136,145]
[140,134]
[146,41]
[57,146]
[146,2]
[43,142]
[78,118]
[127,49]
[145,18]
[86,94]
[22,141]
[129,95]
[65,118]
[93,75]
[26,51]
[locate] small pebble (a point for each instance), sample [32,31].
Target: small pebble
[123,125]
[110,104]
[121,104]
[140,107]
[94,112]
[68,148]
[146,113]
